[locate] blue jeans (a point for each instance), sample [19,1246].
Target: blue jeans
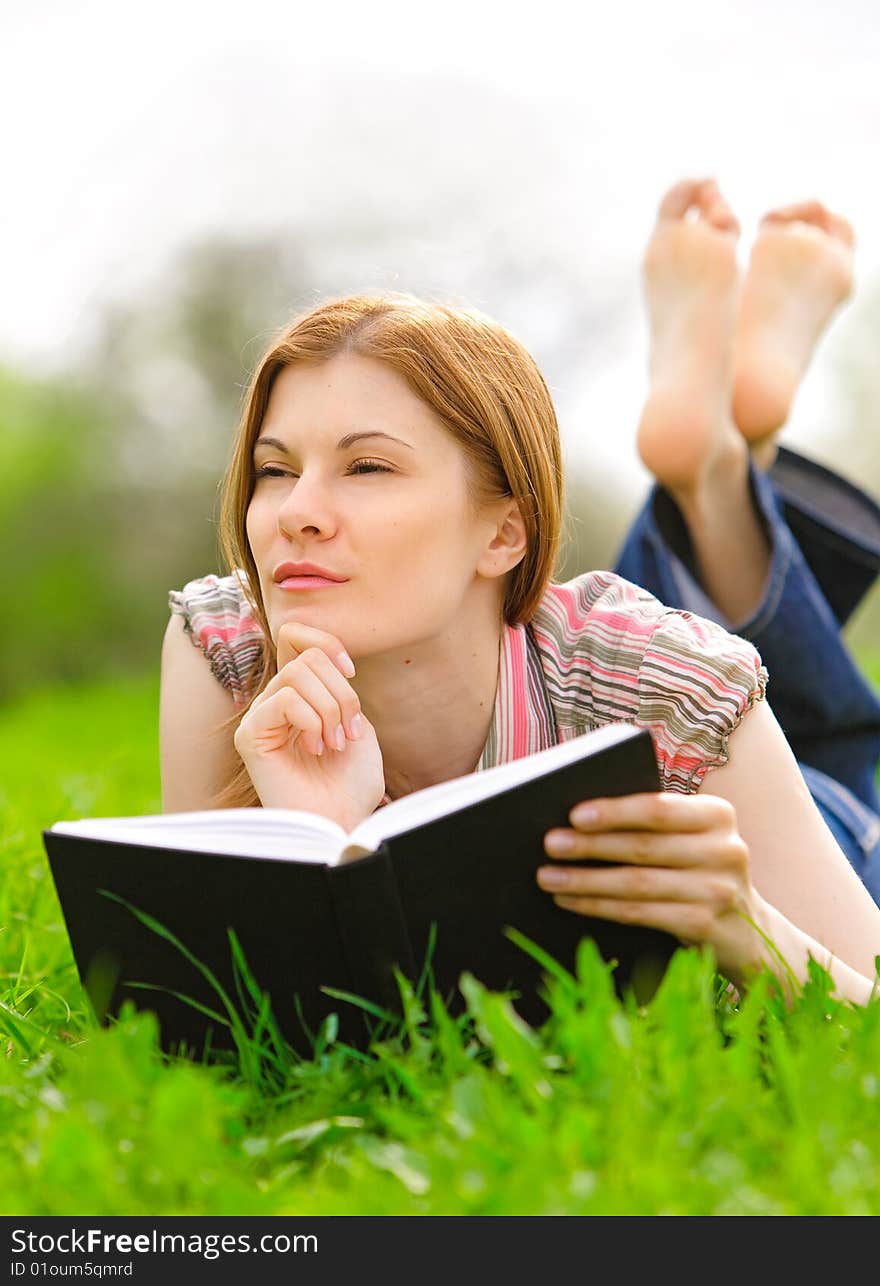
[824,535]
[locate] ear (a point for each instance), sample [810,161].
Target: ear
[507,543]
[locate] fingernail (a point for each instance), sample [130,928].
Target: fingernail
[356,726]
[346,665]
[584,815]
[552,877]
[319,749]
[559,842]
[339,737]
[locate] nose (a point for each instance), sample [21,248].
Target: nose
[307,507]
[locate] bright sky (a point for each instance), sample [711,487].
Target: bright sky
[129,131]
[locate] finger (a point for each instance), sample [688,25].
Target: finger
[294,638]
[270,727]
[347,700]
[687,921]
[644,848]
[317,690]
[720,891]
[655,811]
[316,662]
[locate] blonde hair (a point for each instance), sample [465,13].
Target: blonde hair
[476,377]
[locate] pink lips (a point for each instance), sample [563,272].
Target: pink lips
[305,576]
[307,582]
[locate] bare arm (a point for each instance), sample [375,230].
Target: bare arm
[195,760]
[815,898]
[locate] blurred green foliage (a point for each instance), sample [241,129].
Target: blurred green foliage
[88,553]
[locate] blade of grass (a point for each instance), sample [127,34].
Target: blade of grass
[156,927]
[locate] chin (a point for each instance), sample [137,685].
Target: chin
[309,613]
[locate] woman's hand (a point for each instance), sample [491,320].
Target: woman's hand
[304,739]
[675,862]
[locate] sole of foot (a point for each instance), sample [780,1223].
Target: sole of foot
[800,271]
[691,284]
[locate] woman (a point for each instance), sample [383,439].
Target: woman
[393,502]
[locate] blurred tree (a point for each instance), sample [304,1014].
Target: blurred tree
[82,552]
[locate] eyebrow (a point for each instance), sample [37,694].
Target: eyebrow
[341,445]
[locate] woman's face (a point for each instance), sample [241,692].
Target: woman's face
[357,477]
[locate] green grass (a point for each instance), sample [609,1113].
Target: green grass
[690,1105]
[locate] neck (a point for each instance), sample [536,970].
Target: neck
[432,704]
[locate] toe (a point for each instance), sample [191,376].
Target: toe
[720,215]
[714,208]
[843,230]
[698,199]
[679,199]
[817,216]
[801,212]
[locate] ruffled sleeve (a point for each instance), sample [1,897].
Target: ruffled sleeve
[696,683]
[611,651]
[219,620]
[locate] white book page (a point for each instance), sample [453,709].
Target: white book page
[279,833]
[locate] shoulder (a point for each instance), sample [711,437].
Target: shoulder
[592,634]
[595,607]
[220,620]
[213,596]
[610,650]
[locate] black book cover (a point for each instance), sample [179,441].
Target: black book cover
[463,878]
[473,874]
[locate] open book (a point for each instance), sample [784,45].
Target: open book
[289,834]
[314,907]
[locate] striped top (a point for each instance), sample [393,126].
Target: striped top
[598,650]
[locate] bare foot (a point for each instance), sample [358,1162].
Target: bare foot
[800,271]
[692,286]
